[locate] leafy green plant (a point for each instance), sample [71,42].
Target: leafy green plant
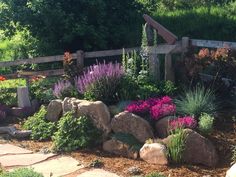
[205,124]
[21,172]
[196,101]
[128,139]
[155,174]
[42,89]
[41,128]
[74,133]
[176,146]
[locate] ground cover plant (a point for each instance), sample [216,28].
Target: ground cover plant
[41,128]
[205,124]
[21,172]
[74,133]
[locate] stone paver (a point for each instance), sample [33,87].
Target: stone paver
[11,149]
[57,167]
[97,173]
[23,159]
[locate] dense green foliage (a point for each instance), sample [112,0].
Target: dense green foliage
[205,124]
[21,172]
[41,128]
[196,101]
[216,23]
[74,133]
[8,91]
[72,25]
[42,89]
[176,146]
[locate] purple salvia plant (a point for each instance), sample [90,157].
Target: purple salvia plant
[97,72]
[60,87]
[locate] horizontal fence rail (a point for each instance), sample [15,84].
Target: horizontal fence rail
[212,44]
[80,56]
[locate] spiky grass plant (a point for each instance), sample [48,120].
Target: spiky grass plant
[196,101]
[176,146]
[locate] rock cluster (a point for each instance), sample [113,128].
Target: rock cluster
[198,149]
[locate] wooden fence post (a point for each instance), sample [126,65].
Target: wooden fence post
[185,43]
[154,66]
[80,60]
[169,70]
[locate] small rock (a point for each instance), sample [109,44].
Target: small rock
[154,153]
[134,170]
[231,172]
[54,110]
[126,122]
[119,148]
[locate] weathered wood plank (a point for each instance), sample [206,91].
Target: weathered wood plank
[56,72]
[32,61]
[169,37]
[107,53]
[212,44]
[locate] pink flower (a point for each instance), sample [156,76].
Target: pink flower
[156,107]
[184,122]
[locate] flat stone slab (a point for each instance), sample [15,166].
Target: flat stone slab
[59,166]
[97,173]
[23,159]
[8,149]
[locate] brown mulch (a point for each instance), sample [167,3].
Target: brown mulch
[224,137]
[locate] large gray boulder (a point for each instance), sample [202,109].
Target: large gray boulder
[198,149]
[126,122]
[162,126]
[154,153]
[54,110]
[98,112]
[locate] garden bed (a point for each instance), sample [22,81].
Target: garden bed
[222,138]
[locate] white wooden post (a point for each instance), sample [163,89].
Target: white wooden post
[23,97]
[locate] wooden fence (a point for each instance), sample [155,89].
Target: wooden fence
[80,56]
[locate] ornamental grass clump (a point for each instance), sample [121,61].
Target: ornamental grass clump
[183,122]
[196,101]
[156,107]
[100,82]
[177,145]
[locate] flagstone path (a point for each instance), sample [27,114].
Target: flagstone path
[50,165]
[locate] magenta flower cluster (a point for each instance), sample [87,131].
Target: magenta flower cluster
[183,122]
[60,87]
[97,72]
[156,107]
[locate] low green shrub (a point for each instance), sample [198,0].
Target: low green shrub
[205,124]
[176,146]
[155,174]
[21,172]
[74,133]
[41,128]
[42,89]
[196,101]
